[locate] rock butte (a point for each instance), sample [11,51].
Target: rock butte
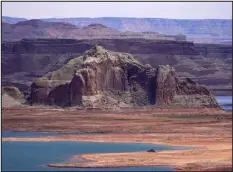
[102,78]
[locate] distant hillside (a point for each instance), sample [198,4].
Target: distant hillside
[35,29]
[200,31]
[57,30]
[12,20]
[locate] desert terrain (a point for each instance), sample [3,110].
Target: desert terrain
[126,80]
[200,31]
[208,131]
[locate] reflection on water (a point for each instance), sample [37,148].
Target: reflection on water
[33,155]
[225,102]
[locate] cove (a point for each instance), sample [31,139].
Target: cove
[32,156]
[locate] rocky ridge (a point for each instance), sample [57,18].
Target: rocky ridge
[38,29]
[102,78]
[207,64]
[213,31]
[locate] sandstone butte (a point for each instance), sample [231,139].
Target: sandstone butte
[102,78]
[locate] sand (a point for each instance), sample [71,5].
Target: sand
[208,130]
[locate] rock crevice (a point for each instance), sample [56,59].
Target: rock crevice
[120,79]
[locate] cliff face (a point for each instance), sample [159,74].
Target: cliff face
[115,79]
[208,64]
[201,31]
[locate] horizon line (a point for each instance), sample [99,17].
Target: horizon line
[121,17]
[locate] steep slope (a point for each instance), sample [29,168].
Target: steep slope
[211,65]
[116,79]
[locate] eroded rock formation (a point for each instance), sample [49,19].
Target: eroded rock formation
[116,79]
[13,92]
[11,96]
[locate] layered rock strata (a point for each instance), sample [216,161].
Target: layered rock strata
[117,79]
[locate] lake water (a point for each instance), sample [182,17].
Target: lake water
[225,102]
[31,156]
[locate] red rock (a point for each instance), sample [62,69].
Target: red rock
[101,71]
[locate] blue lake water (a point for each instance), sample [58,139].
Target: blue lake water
[32,156]
[225,102]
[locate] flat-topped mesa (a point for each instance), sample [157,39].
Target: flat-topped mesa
[104,78]
[95,25]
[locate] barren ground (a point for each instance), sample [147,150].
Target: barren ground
[208,130]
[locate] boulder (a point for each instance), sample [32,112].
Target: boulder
[151,150]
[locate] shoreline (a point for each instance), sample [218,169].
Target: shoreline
[190,156]
[145,159]
[208,131]
[148,138]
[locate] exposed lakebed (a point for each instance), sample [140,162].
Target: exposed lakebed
[34,156]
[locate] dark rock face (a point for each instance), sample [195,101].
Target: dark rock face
[165,85]
[207,64]
[123,78]
[170,90]
[39,94]
[60,95]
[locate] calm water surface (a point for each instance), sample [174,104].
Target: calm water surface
[225,102]
[31,156]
